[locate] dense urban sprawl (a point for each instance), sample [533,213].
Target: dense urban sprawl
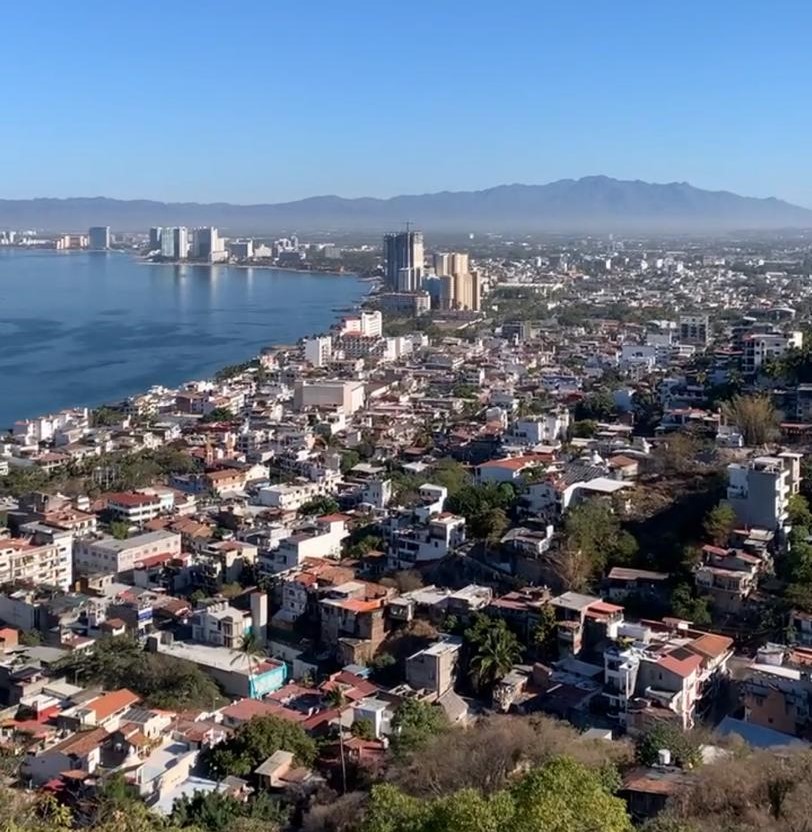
[524,542]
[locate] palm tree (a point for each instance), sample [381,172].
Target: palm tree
[250,651]
[336,699]
[497,651]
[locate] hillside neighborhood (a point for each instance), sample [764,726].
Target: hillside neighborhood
[567,521]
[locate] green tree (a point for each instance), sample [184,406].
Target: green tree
[120,529]
[249,654]
[390,810]
[684,604]
[492,525]
[584,429]
[565,796]
[494,649]
[253,742]
[592,528]
[216,811]
[598,406]
[349,459]
[105,417]
[219,414]
[163,681]
[368,543]
[685,749]
[414,723]
[561,796]
[452,475]
[363,729]
[719,524]
[319,506]
[480,504]
[798,511]
[465,391]
[544,633]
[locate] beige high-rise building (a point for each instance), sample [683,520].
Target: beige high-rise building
[468,291]
[459,262]
[447,296]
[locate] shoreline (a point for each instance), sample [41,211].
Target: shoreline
[268,266]
[336,316]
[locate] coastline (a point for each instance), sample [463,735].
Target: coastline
[335,315]
[267,266]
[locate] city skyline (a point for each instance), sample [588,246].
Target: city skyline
[297,101]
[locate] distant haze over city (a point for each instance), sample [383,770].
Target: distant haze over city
[593,203]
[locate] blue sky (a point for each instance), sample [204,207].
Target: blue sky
[265,100]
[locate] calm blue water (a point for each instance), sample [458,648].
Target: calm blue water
[88,328]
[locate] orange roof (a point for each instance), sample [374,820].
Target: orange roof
[604,608]
[621,461]
[132,499]
[681,665]
[245,709]
[228,473]
[516,463]
[81,743]
[109,703]
[357,605]
[711,645]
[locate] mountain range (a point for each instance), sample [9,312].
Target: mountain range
[593,203]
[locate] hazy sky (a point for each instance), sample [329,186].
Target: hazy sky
[267,100]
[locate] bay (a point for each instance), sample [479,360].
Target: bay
[85,328]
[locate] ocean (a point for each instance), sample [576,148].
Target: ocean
[87,328]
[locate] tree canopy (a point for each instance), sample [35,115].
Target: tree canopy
[493,650]
[561,796]
[414,724]
[163,681]
[719,524]
[253,742]
[592,528]
[319,506]
[484,508]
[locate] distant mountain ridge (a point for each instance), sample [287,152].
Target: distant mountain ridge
[592,203]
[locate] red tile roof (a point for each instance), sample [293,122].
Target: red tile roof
[109,703]
[680,665]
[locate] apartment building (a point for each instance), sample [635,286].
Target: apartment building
[759,491]
[434,669]
[37,560]
[107,555]
[670,669]
[217,622]
[761,347]
[134,508]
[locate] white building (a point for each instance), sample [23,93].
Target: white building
[543,429]
[110,556]
[760,347]
[347,396]
[367,324]
[218,623]
[759,492]
[291,496]
[319,350]
[38,560]
[134,508]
